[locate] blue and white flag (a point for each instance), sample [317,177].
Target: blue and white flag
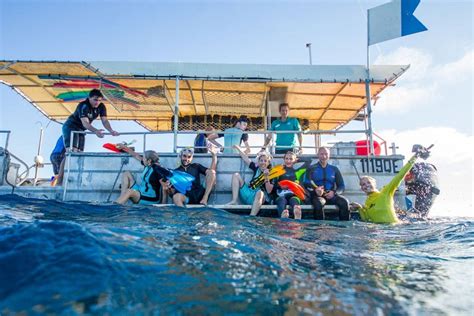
[392,20]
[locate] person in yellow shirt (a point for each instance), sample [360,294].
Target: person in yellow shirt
[379,206]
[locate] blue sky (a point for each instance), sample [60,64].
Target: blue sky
[432,102]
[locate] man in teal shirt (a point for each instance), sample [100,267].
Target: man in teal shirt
[285,141]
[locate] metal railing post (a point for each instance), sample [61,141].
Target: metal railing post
[176,117]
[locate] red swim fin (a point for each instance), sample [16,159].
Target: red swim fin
[112,147]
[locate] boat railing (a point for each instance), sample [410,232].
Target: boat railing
[7,137]
[178,145]
[20,179]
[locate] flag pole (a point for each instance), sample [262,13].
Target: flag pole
[367,93]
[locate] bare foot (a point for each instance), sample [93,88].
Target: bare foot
[285,214]
[297,211]
[203,202]
[232,203]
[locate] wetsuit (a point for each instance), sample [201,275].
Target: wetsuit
[422,181]
[197,190]
[330,177]
[247,194]
[149,187]
[379,206]
[57,155]
[74,123]
[286,197]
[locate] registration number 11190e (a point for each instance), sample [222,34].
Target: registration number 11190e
[379,165]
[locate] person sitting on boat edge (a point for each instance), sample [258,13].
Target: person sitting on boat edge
[379,205]
[198,194]
[325,185]
[285,141]
[233,136]
[149,189]
[283,196]
[422,181]
[261,194]
[86,112]
[56,158]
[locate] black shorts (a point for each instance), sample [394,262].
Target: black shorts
[79,139]
[282,151]
[195,195]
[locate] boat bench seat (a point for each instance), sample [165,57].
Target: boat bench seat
[245,209]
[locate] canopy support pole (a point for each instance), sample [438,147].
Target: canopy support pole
[37,164]
[176,117]
[317,142]
[367,95]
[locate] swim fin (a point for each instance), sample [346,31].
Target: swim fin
[275,172]
[293,187]
[181,181]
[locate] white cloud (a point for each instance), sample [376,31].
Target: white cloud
[457,70]
[420,62]
[453,158]
[403,99]
[421,83]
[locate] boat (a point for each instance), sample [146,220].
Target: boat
[177,100]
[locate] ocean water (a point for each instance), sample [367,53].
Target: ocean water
[79,258]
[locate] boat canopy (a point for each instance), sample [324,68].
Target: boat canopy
[322,97]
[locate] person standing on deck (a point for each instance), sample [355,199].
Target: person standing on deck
[86,112]
[233,136]
[285,141]
[198,194]
[56,158]
[325,184]
[81,120]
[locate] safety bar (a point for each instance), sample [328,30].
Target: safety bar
[27,170]
[7,138]
[177,146]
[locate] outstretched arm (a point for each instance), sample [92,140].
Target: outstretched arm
[247,147]
[130,151]
[267,141]
[340,187]
[395,182]
[244,157]
[212,139]
[107,126]
[88,125]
